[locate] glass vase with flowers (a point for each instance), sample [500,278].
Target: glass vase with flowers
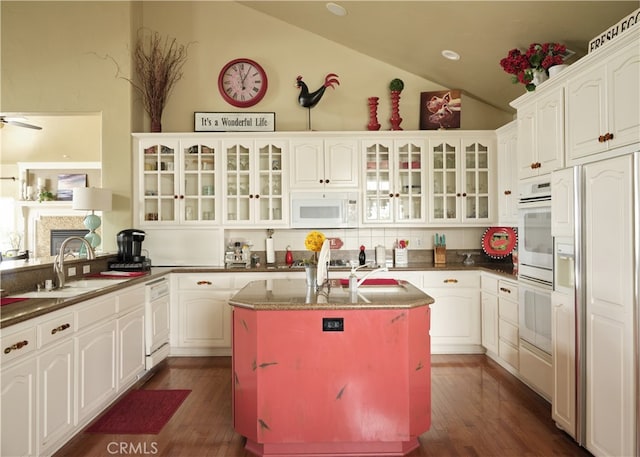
[528,67]
[313,242]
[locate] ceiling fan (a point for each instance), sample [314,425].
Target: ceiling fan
[18,122]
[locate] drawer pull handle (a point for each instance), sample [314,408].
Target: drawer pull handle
[450,281]
[504,289]
[61,328]
[16,346]
[204,283]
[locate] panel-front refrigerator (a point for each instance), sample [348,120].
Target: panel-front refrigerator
[595,316]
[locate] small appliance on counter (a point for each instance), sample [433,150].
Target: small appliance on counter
[130,256]
[238,256]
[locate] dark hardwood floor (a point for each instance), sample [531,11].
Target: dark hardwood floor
[478,409]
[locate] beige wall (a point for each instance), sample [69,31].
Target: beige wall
[57,58]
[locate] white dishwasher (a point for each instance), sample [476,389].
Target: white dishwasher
[156,322]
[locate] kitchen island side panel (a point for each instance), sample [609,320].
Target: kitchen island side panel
[369,382]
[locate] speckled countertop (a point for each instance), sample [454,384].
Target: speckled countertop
[14,313]
[293,294]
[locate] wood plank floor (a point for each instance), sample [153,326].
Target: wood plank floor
[478,409]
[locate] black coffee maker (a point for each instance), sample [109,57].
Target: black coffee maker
[130,256]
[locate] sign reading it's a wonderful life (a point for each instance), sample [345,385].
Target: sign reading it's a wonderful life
[235,122]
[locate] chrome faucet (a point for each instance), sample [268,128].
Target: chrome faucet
[58,264]
[355,283]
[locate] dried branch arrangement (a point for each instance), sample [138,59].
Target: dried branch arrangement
[158,64]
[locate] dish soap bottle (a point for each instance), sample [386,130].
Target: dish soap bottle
[362,257]
[288,258]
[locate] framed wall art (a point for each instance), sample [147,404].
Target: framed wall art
[440,109]
[67,182]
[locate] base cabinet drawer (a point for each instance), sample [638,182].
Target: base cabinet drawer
[508,353]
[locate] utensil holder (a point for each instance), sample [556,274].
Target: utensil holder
[401,257]
[440,255]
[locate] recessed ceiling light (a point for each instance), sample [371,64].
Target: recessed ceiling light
[451,55]
[336,9]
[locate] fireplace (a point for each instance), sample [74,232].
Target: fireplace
[59,235]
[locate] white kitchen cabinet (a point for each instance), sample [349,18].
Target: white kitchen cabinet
[603,112]
[507,138]
[131,350]
[461,180]
[254,183]
[508,327]
[489,300]
[563,334]
[177,180]
[201,315]
[18,395]
[456,312]
[394,188]
[562,203]
[56,396]
[324,164]
[609,277]
[540,142]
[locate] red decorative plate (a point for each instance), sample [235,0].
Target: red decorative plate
[499,242]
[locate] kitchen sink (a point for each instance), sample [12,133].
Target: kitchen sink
[72,288]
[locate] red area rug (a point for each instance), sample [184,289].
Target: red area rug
[8,301]
[140,412]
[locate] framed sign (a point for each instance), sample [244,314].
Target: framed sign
[440,110]
[234,122]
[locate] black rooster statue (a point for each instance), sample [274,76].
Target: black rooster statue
[308,99]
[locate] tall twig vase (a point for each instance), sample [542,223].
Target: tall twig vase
[395,110]
[373,114]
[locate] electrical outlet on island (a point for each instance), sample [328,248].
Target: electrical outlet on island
[71,271]
[86,269]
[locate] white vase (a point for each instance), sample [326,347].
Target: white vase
[553,71]
[539,76]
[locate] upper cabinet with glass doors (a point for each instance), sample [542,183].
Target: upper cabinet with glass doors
[394,181]
[461,180]
[254,184]
[177,181]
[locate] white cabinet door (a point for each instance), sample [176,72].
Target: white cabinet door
[508,174]
[131,354]
[609,286]
[97,369]
[489,322]
[623,94]
[541,134]
[563,333]
[455,314]
[56,400]
[324,164]
[562,203]
[18,396]
[205,319]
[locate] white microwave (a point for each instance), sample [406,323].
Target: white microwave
[324,210]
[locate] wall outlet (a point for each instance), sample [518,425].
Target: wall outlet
[71,271]
[86,269]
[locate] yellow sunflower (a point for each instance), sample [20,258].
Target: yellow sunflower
[313,241]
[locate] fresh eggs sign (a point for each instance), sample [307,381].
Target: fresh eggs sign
[628,23]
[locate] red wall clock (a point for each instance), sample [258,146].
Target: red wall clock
[242,83]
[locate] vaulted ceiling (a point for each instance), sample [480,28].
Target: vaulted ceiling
[410,35]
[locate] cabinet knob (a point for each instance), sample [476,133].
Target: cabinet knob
[609,136]
[60,328]
[257,196]
[504,289]
[16,346]
[464,194]
[250,195]
[175,197]
[181,197]
[450,281]
[326,181]
[458,194]
[397,195]
[203,283]
[533,166]
[321,181]
[390,195]
[602,139]
[507,192]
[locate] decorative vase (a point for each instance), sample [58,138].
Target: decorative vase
[395,110]
[311,275]
[373,114]
[156,126]
[539,76]
[553,71]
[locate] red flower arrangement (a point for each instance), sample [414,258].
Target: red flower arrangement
[539,57]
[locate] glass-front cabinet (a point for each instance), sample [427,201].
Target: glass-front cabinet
[461,180]
[254,182]
[178,182]
[394,181]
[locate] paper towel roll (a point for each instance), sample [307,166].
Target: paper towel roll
[271,254]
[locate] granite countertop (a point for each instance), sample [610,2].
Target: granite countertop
[294,294]
[17,312]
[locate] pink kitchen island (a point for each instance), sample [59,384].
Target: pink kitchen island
[331,373]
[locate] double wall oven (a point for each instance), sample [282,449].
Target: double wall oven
[535,269]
